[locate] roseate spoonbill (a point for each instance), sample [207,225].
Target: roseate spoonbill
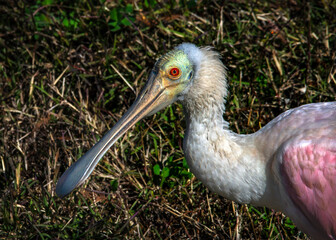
[289,165]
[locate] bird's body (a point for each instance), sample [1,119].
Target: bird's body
[289,165]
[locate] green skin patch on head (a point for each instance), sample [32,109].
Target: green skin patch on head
[175,59]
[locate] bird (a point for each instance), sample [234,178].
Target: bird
[289,165]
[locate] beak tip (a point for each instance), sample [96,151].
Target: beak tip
[62,190]
[66,184]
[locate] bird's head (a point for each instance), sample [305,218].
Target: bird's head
[169,81]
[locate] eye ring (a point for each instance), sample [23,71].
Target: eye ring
[174,73]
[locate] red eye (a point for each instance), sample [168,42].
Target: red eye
[174,72]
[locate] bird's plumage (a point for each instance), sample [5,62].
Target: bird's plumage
[289,165]
[308,171]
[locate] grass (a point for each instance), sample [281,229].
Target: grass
[70,69]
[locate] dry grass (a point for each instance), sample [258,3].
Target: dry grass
[68,71]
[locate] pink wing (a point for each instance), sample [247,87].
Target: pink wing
[309,171]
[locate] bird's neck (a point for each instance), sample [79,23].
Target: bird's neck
[221,159]
[226,162]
